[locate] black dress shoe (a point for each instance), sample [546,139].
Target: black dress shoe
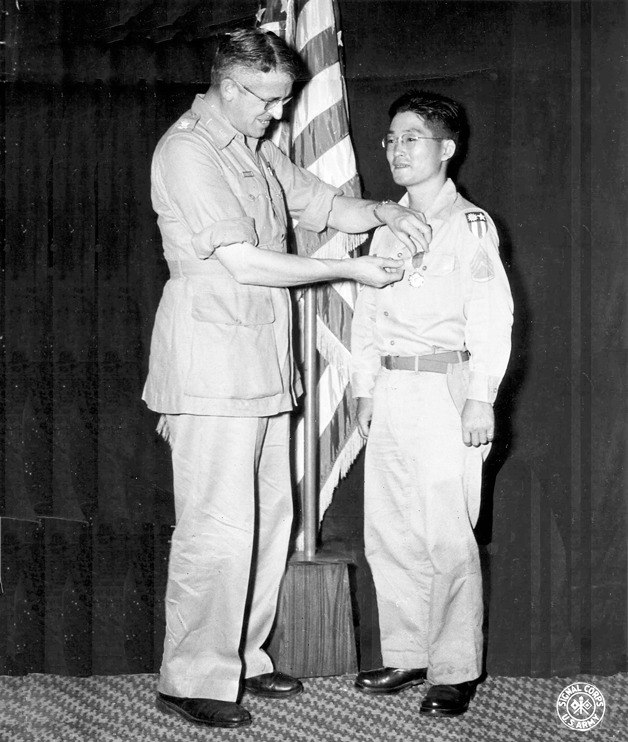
[273,685]
[206,711]
[389,679]
[448,700]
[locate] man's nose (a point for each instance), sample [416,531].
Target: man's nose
[276,111]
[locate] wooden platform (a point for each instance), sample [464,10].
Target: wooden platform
[314,634]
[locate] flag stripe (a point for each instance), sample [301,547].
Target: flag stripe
[322,92]
[331,165]
[336,313]
[310,140]
[336,246]
[314,18]
[321,52]
[331,387]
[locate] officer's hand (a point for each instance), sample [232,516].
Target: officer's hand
[478,423]
[407,225]
[365,413]
[374,271]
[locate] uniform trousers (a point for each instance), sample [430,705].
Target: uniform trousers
[422,496]
[233,505]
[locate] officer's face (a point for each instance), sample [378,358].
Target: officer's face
[255,99]
[415,153]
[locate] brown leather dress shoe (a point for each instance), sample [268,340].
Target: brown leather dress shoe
[389,679]
[273,685]
[207,711]
[448,700]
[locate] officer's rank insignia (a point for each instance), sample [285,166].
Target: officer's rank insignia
[482,266]
[187,122]
[476,221]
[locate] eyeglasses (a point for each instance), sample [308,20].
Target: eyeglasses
[407,141]
[268,104]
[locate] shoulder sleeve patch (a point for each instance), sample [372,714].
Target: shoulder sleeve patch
[477,223]
[482,268]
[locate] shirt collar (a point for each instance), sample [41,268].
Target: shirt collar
[444,200]
[219,130]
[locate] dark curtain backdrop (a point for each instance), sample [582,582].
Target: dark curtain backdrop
[86,509]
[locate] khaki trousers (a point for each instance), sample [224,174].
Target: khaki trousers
[233,504]
[422,496]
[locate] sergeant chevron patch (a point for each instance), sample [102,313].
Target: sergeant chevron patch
[482,266]
[476,221]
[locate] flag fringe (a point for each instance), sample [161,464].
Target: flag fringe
[339,470]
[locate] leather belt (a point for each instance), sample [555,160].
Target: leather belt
[436,362]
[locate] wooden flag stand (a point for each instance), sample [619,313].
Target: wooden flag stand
[314,633]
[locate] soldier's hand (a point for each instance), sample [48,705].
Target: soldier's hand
[374,271]
[408,226]
[364,415]
[478,423]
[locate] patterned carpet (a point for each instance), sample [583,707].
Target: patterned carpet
[50,708]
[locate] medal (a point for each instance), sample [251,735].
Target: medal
[415,279]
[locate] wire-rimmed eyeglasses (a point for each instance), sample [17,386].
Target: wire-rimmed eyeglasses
[407,141]
[268,104]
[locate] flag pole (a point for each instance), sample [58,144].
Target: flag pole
[310,458]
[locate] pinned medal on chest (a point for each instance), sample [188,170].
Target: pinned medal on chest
[415,276]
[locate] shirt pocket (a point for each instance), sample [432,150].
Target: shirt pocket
[441,265]
[263,201]
[440,292]
[234,353]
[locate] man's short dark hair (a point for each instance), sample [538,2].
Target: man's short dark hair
[443,115]
[257,50]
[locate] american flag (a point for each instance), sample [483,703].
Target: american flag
[317,138]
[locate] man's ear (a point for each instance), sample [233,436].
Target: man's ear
[448,150]
[228,88]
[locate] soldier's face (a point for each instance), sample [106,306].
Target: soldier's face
[415,153]
[258,98]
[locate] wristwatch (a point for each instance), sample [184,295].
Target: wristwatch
[381,203]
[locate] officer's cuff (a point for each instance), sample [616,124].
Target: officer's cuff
[224,232]
[315,217]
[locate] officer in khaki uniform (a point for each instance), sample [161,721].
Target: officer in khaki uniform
[221,367]
[429,353]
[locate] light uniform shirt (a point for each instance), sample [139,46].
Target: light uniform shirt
[219,347]
[460,300]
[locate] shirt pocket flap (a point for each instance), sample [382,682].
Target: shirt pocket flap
[246,307]
[441,265]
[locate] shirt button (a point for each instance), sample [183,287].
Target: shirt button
[385,314]
[251,197]
[425,267]
[399,254]
[392,342]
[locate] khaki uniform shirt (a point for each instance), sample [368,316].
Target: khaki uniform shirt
[460,301]
[219,347]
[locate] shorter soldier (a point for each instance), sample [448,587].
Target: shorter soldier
[429,354]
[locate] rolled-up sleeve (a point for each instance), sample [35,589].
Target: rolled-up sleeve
[309,199]
[194,188]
